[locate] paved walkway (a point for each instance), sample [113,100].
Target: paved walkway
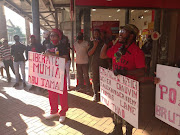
[21,113]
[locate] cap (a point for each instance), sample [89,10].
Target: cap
[131,28]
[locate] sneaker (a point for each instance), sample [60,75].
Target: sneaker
[50,116]
[62,119]
[24,84]
[16,84]
[94,99]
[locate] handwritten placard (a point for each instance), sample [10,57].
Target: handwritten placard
[121,95]
[46,71]
[167,107]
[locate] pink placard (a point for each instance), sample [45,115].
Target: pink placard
[46,71]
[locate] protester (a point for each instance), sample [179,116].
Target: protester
[128,60]
[34,47]
[94,52]
[5,54]
[81,47]
[1,62]
[147,48]
[17,51]
[46,43]
[60,49]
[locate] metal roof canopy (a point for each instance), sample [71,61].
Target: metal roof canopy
[46,10]
[170,4]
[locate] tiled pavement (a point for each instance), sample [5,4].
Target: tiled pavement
[21,113]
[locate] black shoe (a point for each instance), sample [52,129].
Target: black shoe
[116,131]
[16,84]
[78,88]
[24,84]
[32,87]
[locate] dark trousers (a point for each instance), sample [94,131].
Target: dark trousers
[7,64]
[82,70]
[96,82]
[118,122]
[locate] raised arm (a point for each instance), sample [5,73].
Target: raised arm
[103,54]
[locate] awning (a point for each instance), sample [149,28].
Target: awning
[173,4]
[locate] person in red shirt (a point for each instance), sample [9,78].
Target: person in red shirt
[127,60]
[61,49]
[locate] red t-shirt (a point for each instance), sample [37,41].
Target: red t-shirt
[133,59]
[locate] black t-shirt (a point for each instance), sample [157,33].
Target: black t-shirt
[17,52]
[63,47]
[96,61]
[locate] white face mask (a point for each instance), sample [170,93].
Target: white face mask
[46,34]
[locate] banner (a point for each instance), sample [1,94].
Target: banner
[120,94]
[167,107]
[46,71]
[111,27]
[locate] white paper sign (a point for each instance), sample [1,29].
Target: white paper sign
[121,95]
[46,71]
[167,107]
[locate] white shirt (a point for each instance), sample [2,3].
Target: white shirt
[81,52]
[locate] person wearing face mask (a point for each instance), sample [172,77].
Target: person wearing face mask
[60,49]
[81,47]
[17,51]
[128,60]
[96,61]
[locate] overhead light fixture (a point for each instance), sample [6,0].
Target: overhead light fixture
[108,0]
[141,17]
[118,10]
[93,9]
[132,11]
[146,11]
[110,16]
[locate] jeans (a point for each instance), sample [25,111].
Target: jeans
[82,69]
[20,64]
[53,100]
[67,67]
[7,64]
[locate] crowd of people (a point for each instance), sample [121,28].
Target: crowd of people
[121,55]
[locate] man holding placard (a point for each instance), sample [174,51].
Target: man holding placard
[128,60]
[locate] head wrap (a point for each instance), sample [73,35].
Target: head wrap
[59,32]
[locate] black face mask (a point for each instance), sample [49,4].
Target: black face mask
[79,37]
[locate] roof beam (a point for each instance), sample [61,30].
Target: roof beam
[39,14]
[61,5]
[20,11]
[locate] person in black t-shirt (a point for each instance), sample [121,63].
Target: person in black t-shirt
[17,51]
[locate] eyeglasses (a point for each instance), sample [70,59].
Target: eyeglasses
[122,31]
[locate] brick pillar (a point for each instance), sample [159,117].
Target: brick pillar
[27,30]
[3,27]
[87,21]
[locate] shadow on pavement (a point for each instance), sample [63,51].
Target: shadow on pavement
[11,113]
